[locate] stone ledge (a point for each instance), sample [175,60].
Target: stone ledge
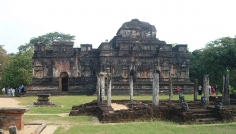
[13,110]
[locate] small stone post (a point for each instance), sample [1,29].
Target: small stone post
[13,130]
[225,92]
[195,89]
[131,84]
[109,89]
[170,89]
[98,89]
[102,84]
[206,88]
[181,99]
[155,89]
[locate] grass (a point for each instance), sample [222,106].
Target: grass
[157,127]
[90,125]
[66,103]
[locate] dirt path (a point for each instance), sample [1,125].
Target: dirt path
[28,129]
[9,102]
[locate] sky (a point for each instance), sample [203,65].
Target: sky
[192,22]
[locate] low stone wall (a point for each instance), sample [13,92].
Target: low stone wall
[12,117]
[167,110]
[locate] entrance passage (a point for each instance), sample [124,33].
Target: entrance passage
[64,81]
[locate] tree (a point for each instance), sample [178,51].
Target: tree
[50,37]
[3,62]
[196,68]
[19,67]
[216,59]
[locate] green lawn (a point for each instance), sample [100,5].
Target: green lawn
[90,125]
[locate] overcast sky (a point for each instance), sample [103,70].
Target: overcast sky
[192,22]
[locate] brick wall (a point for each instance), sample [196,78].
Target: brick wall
[12,117]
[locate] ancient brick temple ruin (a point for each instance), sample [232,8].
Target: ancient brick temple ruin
[134,51]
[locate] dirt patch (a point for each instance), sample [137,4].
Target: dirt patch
[118,106]
[9,102]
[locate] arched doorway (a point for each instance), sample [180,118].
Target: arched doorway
[63,81]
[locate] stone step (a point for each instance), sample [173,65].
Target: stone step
[209,120]
[204,115]
[201,110]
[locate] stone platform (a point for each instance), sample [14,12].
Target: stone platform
[143,110]
[43,100]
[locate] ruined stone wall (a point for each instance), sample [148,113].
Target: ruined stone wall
[135,49]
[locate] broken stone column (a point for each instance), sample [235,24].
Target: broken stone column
[13,130]
[98,89]
[225,92]
[195,89]
[1,131]
[181,99]
[170,89]
[203,101]
[131,84]
[206,88]
[155,89]
[102,87]
[109,89]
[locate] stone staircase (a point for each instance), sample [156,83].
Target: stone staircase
[233,99]
[202,115]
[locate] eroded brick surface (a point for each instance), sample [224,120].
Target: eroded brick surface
[74,70]
[12,117]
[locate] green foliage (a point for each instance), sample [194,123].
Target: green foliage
[216,59]
[231,90]
[50,37]
[3,63]
[19,67]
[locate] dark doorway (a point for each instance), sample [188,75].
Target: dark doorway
[64,81]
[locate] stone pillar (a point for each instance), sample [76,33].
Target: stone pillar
[225,92]
[109,89]
[102,87]
[155,89]
[131,84]
[206,88]
[13,130]
[181,99]
[195,89]
[98,89]
[170,89]
[203,101]
[1,131]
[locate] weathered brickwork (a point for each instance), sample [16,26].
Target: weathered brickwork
[12,117]
[134,50]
